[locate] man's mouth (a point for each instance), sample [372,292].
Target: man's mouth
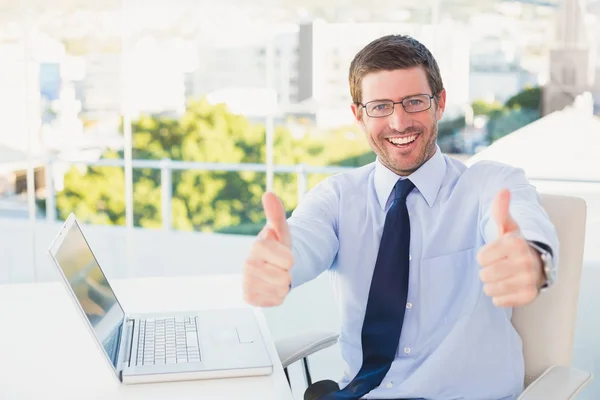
[402,141]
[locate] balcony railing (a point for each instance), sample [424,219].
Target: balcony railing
[167,167]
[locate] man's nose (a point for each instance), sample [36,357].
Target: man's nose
[400,119]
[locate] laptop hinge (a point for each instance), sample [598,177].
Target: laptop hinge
[126,344]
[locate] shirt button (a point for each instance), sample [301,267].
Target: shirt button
[409,257]
[389,385]
[409,305]
[407,350]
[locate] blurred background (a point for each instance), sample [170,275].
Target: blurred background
[161,123]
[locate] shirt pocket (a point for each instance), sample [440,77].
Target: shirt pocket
[450,288]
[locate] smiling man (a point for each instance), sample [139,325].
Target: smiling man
[428,257]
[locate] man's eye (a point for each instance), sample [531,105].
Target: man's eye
[381,107]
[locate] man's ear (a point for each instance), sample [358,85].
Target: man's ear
[358,113]
[440,100]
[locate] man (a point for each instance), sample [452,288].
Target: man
[428,256]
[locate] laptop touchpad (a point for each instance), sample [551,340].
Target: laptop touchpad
[245,335]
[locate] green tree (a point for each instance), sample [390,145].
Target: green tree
[530,98]
[489,109]
[511,121]
[202,200]
[521,109]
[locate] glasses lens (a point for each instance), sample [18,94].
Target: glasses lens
[380,108]
[416,103]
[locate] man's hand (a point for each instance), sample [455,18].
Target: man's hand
[511,270]
[267,269]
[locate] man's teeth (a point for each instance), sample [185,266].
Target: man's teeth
[403,140]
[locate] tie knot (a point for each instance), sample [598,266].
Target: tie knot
[402,189]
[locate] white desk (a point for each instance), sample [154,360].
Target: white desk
[46,351]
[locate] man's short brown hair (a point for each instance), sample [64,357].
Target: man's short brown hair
[389,53]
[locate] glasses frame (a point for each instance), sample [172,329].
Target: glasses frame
[401,102]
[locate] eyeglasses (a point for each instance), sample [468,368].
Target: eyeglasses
[411,104]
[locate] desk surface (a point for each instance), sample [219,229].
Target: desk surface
[46,351]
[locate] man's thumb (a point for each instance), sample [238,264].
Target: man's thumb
[276,218]
[500,211]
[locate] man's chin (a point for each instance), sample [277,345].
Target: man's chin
[405,169]
[408,164]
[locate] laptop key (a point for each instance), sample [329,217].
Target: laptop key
[192,339]
[168,341]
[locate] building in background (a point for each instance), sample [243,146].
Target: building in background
[238,63]
[496,70]
[20,100]
[572,64]
[327,49]
[100,90]
[310,62]
[155,79]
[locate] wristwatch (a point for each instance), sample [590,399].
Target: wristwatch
[547,263]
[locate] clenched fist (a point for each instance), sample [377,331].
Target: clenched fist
[267,269]
[511,270]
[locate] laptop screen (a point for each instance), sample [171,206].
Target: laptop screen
[92,290]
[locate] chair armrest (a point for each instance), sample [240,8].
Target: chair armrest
[557,383]
[303,344]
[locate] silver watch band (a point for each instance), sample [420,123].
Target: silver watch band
[548,264]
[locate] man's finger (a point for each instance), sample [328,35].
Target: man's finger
[507,246]
[516,299]
[268,233]
[272,252]
[501,214]
[511,285]
[268,273]
[498,271]
[493,252]
[276,219]
[260,299]
[259,294]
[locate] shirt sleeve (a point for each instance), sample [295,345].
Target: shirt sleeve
[525,207]
[313,226]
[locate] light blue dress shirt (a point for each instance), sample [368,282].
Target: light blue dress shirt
[455,343]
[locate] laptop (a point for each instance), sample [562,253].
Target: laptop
[158,347]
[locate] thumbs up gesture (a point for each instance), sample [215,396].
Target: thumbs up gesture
[511,269]
[267,269]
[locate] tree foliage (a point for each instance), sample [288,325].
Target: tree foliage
[521,109]
[202,200]
[489,109]
[530,98]
[228,201]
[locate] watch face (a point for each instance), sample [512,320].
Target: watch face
[549,268]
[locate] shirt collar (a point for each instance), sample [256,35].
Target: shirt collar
[427,179]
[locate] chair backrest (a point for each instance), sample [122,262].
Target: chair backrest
[547,326]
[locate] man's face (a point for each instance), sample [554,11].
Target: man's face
[419,129]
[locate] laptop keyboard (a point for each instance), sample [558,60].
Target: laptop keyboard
[168,341]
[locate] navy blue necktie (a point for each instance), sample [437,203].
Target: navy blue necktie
[387,300]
